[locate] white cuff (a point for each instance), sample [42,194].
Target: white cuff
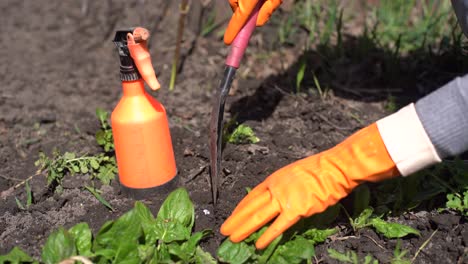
[406,141]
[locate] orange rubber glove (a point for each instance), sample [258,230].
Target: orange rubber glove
[242,10]
[309,186]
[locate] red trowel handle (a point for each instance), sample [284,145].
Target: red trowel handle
[239,44]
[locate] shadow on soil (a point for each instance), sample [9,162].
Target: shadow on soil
[359,69]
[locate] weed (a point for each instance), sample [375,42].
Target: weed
[412,26]
[399,255]
[322,92]
[389,230]
[458,202]
[300,75]
[286,30]
[350,257]
[209,24]
[98,196]
[29,199]
[104,136]
[242,134]
[391,105]
[99,167]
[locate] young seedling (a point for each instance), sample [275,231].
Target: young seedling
[458,202]
[242,134]
[300,75]
[389,230]
[399,255]
[350,257]
[29,199]
[99,197]
[210,24]
[104,136]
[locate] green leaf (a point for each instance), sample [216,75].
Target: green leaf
[98,196]
[170,230]
[69,155]
[243,134]
[16,256]
[106,173]
[94,164]
[82,236]
[370,260]
[319,236]
[148,223]
[102,114]
[146,252]
[121,237]
[349,257]
[267,252]
[392,230]
[203,257]
[362,220]
[104,253]
[75,168]
[300,75]
[178,207]
[235,253]
[59,246]
[101,137]
[162,255]
[19,204]
[83,168]
[28,194]
[190,245]
[293,251]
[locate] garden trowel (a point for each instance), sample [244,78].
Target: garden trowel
[233,59]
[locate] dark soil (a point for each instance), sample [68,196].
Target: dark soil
[59,65]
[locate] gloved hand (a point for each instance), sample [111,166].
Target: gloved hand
[242,10]
[309,186]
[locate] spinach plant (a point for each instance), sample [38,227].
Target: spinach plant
[284,249]
[135,237]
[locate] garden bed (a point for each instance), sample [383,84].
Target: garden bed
[60,65]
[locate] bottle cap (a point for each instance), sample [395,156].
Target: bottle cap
[128,69]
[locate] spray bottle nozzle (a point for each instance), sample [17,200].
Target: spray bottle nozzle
[135,60]
[128,69]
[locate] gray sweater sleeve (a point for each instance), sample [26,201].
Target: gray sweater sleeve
[444,115]
[461,9]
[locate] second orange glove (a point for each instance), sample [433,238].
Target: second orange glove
[242,10]
[309,186]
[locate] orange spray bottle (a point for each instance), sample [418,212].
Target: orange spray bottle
[142,139]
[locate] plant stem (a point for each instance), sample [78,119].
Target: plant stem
[183,10]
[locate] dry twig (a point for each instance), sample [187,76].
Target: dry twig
[6,193]
[423,246]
